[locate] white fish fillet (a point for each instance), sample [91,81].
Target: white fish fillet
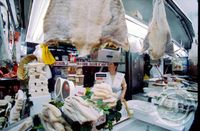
[158,38]
[79,111]
[86,23]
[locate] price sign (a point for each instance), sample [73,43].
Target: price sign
[80,91]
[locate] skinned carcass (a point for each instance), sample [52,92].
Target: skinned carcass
[5,54]
[158,38]
[87,24]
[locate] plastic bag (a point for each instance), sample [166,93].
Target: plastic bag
[43,54]
[47,57]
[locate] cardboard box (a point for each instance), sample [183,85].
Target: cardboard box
[106,55]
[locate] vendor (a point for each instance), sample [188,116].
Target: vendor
[156,70]
[116,80]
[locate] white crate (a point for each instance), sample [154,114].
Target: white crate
[107,55]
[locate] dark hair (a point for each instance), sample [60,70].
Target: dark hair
[116,64]
[146,58]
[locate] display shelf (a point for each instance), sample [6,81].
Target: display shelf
[71,64]
[8,86]
[71,75]
[60,64]
[76,71]
[92,64]
[79,64]
[8,79]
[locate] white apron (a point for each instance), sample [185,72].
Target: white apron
[116,82]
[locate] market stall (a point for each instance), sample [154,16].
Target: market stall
[98,66]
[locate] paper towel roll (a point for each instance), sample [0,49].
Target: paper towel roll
[63,88]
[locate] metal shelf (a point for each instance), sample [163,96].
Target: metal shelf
[81,64]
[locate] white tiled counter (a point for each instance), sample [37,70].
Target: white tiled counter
[146,118]
[136,125]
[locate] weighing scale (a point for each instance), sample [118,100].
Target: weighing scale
[100,77]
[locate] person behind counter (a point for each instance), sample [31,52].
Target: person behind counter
[156,70]
[116,80]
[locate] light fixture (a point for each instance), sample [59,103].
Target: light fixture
[35,27]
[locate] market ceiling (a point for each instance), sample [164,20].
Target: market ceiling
[181,27]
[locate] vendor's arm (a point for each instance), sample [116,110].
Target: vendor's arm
[124,87]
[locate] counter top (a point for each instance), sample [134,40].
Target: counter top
[153,118]
[143,125]
[136,125]
[150,120]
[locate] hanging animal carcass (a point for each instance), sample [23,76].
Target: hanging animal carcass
[87,24]
[5,54]
[158,39]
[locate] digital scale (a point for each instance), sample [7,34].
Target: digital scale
[100,77]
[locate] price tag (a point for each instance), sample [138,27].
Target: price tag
[80,91]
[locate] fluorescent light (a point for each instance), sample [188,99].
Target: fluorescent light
[136,28]
[35,27]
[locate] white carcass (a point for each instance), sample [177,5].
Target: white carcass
[5,53]
[87,24]
[158,39]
